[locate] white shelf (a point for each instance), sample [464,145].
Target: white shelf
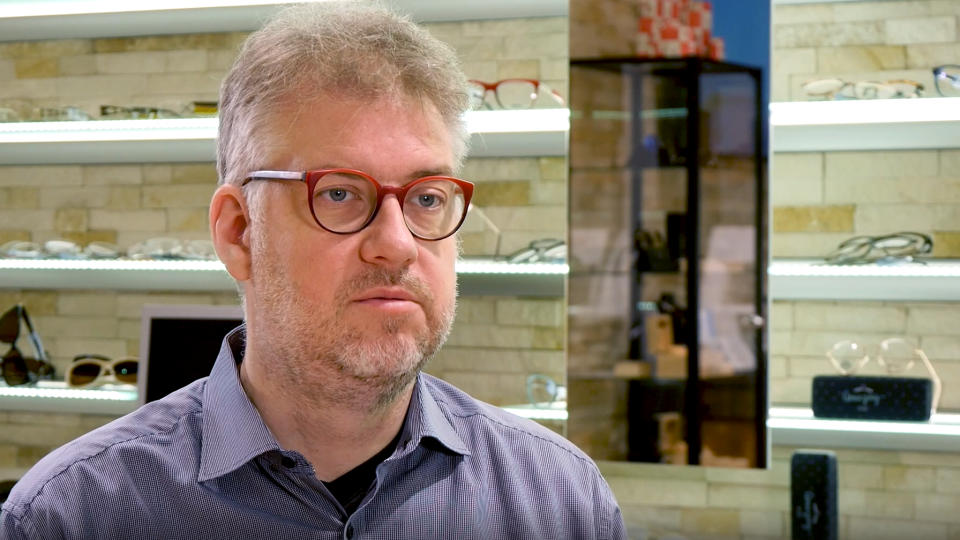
[798,427]
[887,124]
[55,396]
[938,280]
[797,127]
[535,132]
[475,277]
[46,19]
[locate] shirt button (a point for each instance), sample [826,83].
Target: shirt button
[349,532]
[288,462]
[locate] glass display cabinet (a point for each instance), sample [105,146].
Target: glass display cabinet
[668,262]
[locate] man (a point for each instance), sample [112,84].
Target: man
[341,125]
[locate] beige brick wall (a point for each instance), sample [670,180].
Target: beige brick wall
[883,495]
[821,199]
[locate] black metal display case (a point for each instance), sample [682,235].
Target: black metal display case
[685,139]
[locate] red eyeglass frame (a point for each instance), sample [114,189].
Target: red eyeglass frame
[487,87]
[310,178]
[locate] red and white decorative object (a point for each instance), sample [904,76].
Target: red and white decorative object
[677,29]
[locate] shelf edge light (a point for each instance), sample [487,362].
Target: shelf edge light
[463,267]
[531,120]
[876,111]
[33,8]
[67,393]
[894,428]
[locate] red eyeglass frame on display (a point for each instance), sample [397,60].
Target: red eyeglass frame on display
[492,87]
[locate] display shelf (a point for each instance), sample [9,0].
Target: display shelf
[22,20]
[798,427]
[797,127]
[55,396]
[937,280]
[535,132]
[880,124]
[476,277]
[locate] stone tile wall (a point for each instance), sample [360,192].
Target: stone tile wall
[821,199]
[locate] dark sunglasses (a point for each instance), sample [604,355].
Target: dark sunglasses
[17,368]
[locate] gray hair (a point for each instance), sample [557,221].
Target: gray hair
[354,49]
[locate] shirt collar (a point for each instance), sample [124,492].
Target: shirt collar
[426,419]
[234,433]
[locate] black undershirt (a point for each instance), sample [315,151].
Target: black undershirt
[352,487]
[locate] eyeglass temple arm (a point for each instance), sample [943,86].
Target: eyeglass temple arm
[480,213]
[937,385]
[34,337]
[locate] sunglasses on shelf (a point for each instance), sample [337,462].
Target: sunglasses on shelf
[17,368]
[89,370]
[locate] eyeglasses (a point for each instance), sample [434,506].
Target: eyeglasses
[884,249]
[60,114]
[947,79]
[112,112]
[90,370]
[344,201]
[18,369]
[511,94]
[895,355]
[834,88]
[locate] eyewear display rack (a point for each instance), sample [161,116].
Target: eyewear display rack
[675,150]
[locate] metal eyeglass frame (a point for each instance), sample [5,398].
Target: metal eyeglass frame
[310,178]
[940,74]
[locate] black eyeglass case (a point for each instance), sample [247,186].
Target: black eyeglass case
[902,399]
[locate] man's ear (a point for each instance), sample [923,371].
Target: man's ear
[229,229]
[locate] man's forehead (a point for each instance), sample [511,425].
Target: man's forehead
[332,131]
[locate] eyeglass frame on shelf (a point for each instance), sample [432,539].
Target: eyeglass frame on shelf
[492,87]
[42,369]
[310,178]
[940,74]
[890,368]
[918,88]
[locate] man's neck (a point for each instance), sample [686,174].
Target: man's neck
[333,437]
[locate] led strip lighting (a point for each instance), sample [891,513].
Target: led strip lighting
[933,269]
[463,267]
[68,393]
[537,414]
[866,111]
[172,129]
[803,419]
[41,8]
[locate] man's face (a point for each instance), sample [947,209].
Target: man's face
[372,305]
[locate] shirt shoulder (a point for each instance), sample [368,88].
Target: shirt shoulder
[141,439]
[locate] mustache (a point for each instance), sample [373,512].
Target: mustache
[381,277]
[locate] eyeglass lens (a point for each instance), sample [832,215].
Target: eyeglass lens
[948,81]
[15,370]
[344,203]
[84,373]
[10,325]
[510,95]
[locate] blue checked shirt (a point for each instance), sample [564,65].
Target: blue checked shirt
[200,463]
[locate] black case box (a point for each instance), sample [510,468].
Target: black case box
[872,398]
